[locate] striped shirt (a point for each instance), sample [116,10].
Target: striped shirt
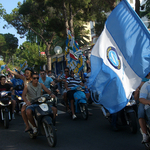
[72,82]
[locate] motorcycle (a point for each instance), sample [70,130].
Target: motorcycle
[18,97]
[80,101]
[44,119]
[126,116]
[5,107]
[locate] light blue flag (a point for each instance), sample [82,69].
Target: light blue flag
[120,58]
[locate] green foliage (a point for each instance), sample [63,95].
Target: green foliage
[30,52]
[44,21]
[2,11]
[2,42]
[1,62]
[8,46]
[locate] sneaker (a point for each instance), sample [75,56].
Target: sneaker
[13,116]
[74,116]
[34,130]
[146,139]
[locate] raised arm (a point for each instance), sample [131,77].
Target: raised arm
[15,73]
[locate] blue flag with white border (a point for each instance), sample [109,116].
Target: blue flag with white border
[120,58]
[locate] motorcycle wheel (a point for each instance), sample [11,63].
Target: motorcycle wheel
[132,122]
[6,120]
[84,111]
[147,145]
[50,134]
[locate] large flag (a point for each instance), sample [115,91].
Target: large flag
[73,54]
[120,58]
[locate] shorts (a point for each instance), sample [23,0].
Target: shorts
[32,107]
[141,111]
[70,94]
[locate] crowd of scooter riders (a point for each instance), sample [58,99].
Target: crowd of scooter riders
[64,82]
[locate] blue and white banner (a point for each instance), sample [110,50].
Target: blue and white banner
[73,54]
[120,58]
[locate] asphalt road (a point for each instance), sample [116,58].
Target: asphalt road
[92,134]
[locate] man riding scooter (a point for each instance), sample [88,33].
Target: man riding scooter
[7,87]
[70,83]
[31,91]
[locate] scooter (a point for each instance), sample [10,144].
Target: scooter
[44,119]
[126,116]
[18,97]
[5,107]
[80,101]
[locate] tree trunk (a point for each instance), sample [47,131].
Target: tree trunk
[71,20]
[137,6]
[49,62]
[65,17]
[48,56]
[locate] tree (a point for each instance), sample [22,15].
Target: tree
[2,11]
[9,46]
[38,18]
[30,52]
[50,18]
[2,42]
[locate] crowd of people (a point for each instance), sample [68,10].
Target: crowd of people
[35,84]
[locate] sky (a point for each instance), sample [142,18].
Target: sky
[9,5]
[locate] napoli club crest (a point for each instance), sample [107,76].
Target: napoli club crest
[113,58]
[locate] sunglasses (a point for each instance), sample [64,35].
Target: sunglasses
[35,78]
[42,73]
[66,71]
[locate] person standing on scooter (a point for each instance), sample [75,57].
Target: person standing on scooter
[31,91]
[26,79]
[70,83]
[7,87]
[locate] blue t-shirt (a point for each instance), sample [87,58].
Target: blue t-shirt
[16,82]
[47,81]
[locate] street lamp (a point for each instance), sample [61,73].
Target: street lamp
[58,50]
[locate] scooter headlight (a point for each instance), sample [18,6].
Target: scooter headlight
[131,103]
[51,100]
[1,104]
[19,98]
[41,99]
[4,93]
